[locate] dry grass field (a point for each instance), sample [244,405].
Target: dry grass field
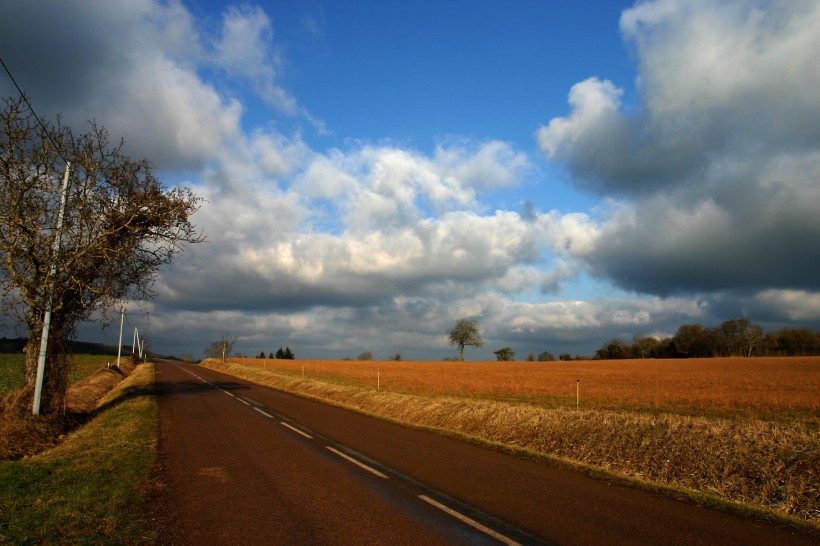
[740,430]
[772,388]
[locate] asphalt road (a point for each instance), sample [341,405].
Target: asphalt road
[244,464]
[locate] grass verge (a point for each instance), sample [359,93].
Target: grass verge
[93,488]
[11,372]
[82,366]
[751,467]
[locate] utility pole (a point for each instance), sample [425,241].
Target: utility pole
[119,348]
[41,361]
[138,345]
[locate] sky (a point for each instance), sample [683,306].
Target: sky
[562,172]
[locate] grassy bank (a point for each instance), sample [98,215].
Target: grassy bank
[769,468]
[93,487]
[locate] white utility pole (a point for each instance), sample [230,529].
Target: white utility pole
[119,348]
[41,361]
[138,345]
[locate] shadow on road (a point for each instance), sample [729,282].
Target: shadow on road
[180,388]
[163,390]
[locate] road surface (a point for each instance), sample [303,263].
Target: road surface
[245,464]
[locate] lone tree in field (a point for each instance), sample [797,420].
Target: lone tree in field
[222,348]
[120,226]
[464,333]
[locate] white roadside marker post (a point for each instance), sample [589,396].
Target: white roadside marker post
[577,394]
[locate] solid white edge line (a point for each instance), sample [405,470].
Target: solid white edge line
[263,412]
[296,430]
[469,521]
[357,463]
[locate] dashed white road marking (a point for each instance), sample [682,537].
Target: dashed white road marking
[469,521]
[263,412]
[458,515]
[296,430]
[357,463]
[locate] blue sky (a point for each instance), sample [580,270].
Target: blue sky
[562,172]
[463,68]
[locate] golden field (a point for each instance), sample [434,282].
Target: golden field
[723,386]
[740,433]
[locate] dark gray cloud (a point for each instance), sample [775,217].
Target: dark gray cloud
[715,175]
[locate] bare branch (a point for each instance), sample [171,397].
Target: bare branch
[121,224]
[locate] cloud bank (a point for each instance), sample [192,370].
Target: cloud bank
[714,176]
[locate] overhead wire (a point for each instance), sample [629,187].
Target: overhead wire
[132,325]
[45,131]
[31,109]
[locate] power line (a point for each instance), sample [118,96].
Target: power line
[41,361]
[31,109]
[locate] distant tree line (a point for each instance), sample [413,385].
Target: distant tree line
[737,337]
[281,354]
[547,356]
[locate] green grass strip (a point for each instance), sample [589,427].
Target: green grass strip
[94,487]
[11,372]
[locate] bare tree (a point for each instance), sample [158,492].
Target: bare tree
[120,226]
[741,336]
[643,345]
[221,348]
[465,332]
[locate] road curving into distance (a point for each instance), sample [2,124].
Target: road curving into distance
[246,464]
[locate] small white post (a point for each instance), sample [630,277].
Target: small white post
[577,394]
